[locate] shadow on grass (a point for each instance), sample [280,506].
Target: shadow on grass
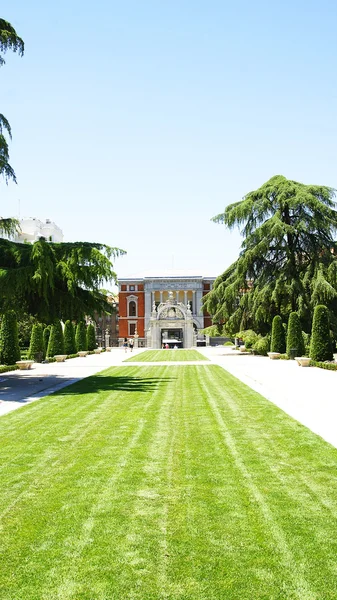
[103,383]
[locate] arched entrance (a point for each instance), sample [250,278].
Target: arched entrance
[171,323]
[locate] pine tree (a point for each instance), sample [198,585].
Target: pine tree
[320,346]
[56,341]
[36,348]
[9,341]
[91,337]
[81,337]
[69,338]
[286,263]
[295,343]
[278,340]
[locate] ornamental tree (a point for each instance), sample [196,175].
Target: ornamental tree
[81,337]
[295,340]
[56,341]
[69,338]
[9,341]
[288,259]
[36,348]
[278,338]
[91,337]
[320,346]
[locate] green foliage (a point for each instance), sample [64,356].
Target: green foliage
[294,337]
[228,343]
[69,338]
[81,337]
[306,343]
[320,347]
[328,366]
[278,340]
[37,348]
[9,341]
[56,341]
[46,336]
[285,264]
[262,345]
[91,337]
[213,331]
[6,368]
[54,281]
[248,336]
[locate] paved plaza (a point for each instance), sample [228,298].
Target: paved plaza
[309,395]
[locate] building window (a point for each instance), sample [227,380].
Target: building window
[132,328]
[131,288]
[132,309]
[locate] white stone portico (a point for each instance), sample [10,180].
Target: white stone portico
[171,323]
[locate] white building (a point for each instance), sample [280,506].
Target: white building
[33,229]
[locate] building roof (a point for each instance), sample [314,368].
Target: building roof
[167,274]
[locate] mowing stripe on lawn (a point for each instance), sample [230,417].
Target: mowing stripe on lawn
[167,356]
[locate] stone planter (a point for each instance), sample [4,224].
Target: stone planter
[242,348]
[274,355]
[303,361]
[60,357]
[82,353]
[97,350]
[108,349]
[24,364]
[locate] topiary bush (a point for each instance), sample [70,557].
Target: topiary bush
[9,340]
[46,336]
[56,341]
[294,337]
[69,338]
[91,337]
[262,345]
[81,337]
[36,348]
[320,346]
[278,338]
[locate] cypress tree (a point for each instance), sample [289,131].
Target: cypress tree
[9,341]
[321,347]
[278,340]
[91,337]
[56,341]
[46,336]
[81,337]
[36,349]
[69,338]
[294,337]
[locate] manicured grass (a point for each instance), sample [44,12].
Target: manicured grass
[167,355]
[168,482]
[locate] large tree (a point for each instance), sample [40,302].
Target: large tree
[9,40]
[55,280]
[288,259]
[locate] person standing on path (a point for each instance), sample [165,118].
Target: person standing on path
[125,344]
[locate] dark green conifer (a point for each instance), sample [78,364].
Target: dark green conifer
[81,337]
[9,341]
[278,340]
[69,338]
[91,337]
[56,341]
[295,342]
[320,346]
[36,349]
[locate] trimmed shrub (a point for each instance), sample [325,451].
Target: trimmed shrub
[262,345]
[329,366]
[81,337]
[248,336]
[56,341]
[69,338]
[36,349]
[320,347]
[278,339]
[91,337]
[9,340]
[5,369]
[294,337]
[46,336]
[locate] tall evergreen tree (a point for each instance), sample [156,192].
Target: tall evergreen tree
[91,337]
[9,341]
[56,341]
[295,340]
[69,338]
[278,339]
[81,337]
[320,346]
[36,348]
[288,260]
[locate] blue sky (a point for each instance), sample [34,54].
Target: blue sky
[135,122]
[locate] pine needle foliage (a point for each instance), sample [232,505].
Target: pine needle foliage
[278,339]
[320,346]
[294,336]
[91,337]
[69,338]
[81,337]
[288,259]
[56,340]
[9,341]
[36,348]
[56,281]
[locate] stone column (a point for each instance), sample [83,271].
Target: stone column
[194,306]
[185,297]
[161,296]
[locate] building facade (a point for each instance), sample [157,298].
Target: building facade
[32,229]
[141,300]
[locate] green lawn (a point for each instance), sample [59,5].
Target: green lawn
[164,482]
[167,355]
